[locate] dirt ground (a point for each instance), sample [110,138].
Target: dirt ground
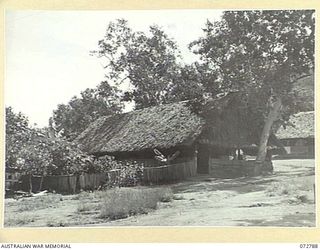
[283,199]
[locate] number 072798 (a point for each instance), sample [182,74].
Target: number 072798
[308,246]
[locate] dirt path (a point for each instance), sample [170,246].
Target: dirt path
[285,198]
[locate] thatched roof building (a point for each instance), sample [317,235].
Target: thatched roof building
[298,136]
[171,126]
[181,132]
[301,125]
[163,126]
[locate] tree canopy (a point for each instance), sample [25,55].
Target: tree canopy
[33,151]
[17,130]
[149,63]
[37,151]
[260,49]
[262,54]
[69,120]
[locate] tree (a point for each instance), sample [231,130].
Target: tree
[26,149]
[17,135]
[69,120]
[262,54]
[32,150]
[148,63]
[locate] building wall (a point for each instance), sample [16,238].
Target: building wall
[170,173]
[147,157]
[299,146]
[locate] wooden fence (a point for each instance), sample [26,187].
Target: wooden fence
[169,173]
[92,181]
[12,179]
[238,168]
[67,183]
[59,184]
[74,183]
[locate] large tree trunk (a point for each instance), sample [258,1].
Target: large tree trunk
[272,116]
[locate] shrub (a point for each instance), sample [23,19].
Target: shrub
[127,174]
[130,174]
[123,202]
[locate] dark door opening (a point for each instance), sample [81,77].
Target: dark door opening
[203,159]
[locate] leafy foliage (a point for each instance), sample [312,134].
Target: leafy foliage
[37,151]
[259,51]
[69,120]
[131,174]
[261,54]
[17,135]
[149,64]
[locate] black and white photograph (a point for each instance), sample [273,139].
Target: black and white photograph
[152,118]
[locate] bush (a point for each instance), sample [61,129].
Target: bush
[123,202]
[126,174]
[40,152]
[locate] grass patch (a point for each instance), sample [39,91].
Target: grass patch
[52,223]
[292,188]
[87,207]
[178,197]
[302,198]
[123,202]
[282,189]
[82,207]
[37,203]
[298,191]
[20,220]
[82,196]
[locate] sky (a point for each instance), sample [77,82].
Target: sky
[48,52]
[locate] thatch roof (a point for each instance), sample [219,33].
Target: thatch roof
[304,90]
[301,125]
[163,126]
[171,125]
